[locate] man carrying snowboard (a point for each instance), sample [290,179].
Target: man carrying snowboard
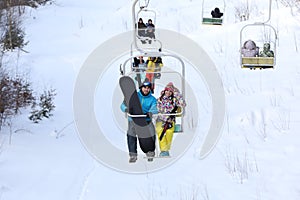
[147,143]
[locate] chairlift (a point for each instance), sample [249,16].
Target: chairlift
[168,74]
[153,50]
[143,4]
[211,6]
[141,39]
[265,34]
[265,38]
[145,14]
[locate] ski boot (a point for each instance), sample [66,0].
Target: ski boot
[132,159]
[150,156]
[164,153]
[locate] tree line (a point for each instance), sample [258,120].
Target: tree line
[16,90]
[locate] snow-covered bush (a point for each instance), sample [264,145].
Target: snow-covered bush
[13,38]
[15,93]
[43,108]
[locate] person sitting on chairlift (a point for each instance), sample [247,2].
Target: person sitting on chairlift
[141,29]
[267,52]
[169,102]
[216,13]
[139,64]
[250,49]
[150,30]
[154,65]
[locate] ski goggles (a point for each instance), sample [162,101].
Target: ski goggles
[146,84]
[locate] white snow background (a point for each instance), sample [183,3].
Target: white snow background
[257,156]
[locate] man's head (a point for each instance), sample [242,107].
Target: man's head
[267,46]
[145,87]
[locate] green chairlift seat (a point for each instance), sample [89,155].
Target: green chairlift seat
[212,21]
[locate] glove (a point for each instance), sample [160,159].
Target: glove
[167,125]
[149,114]
[126,110]
[157,75]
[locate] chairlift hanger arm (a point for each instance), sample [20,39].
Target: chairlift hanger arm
[269,17]
[141,8]
[146,4]
[257,24]
[270,9]
[133,14]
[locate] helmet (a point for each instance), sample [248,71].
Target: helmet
[146,83]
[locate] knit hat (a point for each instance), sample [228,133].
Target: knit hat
[170,87]
[249,44]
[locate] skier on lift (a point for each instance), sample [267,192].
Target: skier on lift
[168,103]
[141,29]
[267,52]
[147,144]
[150,30]
[216,13]
[154,64]
[250,49]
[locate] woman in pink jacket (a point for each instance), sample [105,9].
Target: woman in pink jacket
[168,103]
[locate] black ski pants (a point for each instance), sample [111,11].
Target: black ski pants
[146,143]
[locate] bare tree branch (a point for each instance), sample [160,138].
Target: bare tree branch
[4,4]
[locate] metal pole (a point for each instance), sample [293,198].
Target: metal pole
[269,17]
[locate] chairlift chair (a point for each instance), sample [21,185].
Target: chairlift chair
[207,7]
[168,75]
[144,43]
[267,34]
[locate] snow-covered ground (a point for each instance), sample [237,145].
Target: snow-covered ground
[255,158]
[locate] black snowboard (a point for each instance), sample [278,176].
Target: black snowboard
[142,127]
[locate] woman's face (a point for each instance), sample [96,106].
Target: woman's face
[168,93]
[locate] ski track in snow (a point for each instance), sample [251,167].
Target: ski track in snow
[85,183]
